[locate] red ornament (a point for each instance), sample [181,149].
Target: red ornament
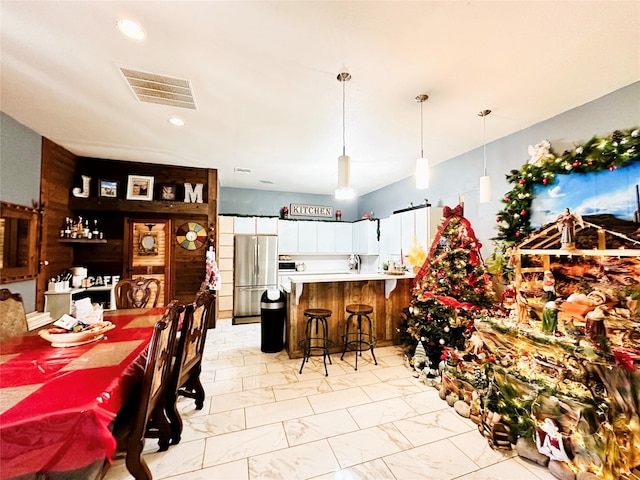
[612,167]
[523,213]
[522,181]
[507,199]
[517,234]
[545,180]
[576,163]
[498,218]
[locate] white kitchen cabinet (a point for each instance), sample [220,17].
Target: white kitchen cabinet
[255,225]
[326,232]
[307,237]
[385,237]
[287,236]
[267,225]
[394,235]
[407,230]
[402,229]
[365,237]
[243,225]
[343,236]
[427,222]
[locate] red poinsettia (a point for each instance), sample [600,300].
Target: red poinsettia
[624,360]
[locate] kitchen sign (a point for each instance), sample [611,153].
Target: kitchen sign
[311,210]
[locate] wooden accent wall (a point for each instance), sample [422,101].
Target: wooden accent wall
[61,171]
[57,171]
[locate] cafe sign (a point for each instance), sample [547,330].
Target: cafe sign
[311,210]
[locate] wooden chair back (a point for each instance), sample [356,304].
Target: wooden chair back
[137,293]
[13,319]
[185,378]
[150,403]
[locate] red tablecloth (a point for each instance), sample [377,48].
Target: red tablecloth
[57,404]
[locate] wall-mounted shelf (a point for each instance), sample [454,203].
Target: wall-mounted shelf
[82,240]
[119,205]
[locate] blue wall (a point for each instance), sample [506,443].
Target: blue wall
[243,201]
[460,175]
[20,160]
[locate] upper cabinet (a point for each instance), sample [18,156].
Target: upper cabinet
[313,237]
[343,236]
[267,225]
[426,225]
[402,230]
[307,237]
[287,237]
[256,225]
[365,237]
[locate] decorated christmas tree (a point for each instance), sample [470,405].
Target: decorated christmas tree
[451,289]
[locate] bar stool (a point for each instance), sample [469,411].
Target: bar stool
[316,337]
[359,340]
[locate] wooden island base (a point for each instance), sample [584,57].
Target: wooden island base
[387,294]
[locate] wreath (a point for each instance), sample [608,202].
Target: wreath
[615,150]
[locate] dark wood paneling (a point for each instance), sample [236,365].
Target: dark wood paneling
[62,171]
[57,171]
[188,265]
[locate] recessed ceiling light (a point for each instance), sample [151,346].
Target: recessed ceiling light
[131,29]
[268,182]
[178,122]
[241,170]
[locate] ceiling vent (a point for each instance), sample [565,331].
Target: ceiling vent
[152,88]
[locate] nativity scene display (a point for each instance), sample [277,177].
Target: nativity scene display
[542,351]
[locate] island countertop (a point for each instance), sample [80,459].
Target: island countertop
[346,277]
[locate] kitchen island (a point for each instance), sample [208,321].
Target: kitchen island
[387,294]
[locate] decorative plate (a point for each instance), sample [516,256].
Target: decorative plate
[191,235]
[92,334]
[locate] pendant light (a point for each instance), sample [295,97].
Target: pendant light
[344,190]
[485,180]
[422,163]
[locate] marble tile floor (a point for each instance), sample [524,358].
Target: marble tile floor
[264,420]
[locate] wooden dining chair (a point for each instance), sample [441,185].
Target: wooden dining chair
[130,425]
[13,319]
[185,377]
[137,293]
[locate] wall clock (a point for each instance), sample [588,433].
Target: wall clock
[191,235]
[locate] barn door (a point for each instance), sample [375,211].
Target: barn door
[149,254]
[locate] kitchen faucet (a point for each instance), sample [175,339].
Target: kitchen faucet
[354,262]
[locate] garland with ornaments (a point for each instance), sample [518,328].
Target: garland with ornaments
[610,152]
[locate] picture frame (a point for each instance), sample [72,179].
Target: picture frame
[108,188]
[168,192]
[140,187]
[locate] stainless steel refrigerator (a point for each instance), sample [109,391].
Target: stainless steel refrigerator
[255,270]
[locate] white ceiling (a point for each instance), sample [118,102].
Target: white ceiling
[264,78]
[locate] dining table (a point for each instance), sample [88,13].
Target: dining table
[57,404]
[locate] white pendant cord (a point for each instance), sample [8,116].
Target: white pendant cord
[421,133]
[484,141]
[343,121]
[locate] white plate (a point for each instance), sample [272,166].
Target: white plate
[75,344]
[77,338]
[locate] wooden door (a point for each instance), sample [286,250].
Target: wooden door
[148,252]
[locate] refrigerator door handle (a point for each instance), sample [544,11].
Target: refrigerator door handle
[256,262]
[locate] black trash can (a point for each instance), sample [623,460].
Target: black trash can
[272,318]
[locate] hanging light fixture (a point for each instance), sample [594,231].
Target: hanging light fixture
[344,190]
[485,180]
[422,163]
